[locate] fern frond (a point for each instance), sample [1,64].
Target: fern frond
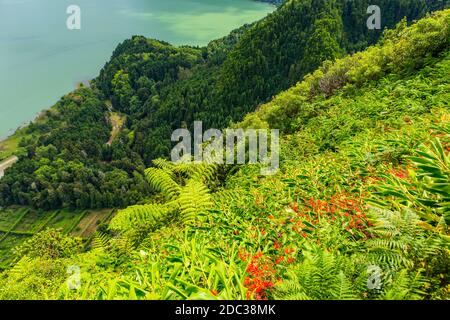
[319,276]
[404,287]
[139,216]
[100,240]
[164,164]
[344,288]
[203,172]
[163,182]
[194,199]
[21,267]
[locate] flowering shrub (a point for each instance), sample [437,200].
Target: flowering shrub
[261,274]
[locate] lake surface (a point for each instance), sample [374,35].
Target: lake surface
[41,59]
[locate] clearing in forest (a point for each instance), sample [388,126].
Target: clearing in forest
[117,122]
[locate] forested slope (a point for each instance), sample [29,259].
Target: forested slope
[262,59]
[358,210]
[159,88]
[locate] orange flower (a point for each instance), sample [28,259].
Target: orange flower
[294,206]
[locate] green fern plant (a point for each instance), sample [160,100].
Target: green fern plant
[406,252]
[427,191]
[100,241]
[163,181]
[139,216]
[184,189]
[321,275]
[194,200]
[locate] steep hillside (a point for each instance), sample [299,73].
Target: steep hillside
[358,210]
[263,59]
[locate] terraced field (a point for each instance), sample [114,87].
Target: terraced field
[87,226]
[7,218]
[18,224]
[6,245]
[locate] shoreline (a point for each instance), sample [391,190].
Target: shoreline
[78,85]
[273,2]
[86,81]
[23,125]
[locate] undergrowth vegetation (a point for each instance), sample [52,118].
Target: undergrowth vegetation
[358,210]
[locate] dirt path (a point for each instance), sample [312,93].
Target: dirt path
[6,164]
[117,122]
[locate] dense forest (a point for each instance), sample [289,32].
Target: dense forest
[70,164]
[358,210]
[158,87]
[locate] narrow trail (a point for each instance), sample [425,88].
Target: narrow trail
[117,122]
[6,164]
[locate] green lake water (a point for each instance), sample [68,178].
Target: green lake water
[41,60]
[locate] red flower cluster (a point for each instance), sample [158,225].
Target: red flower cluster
[286,255]
[340,207]
[243,255]
[262,270]
[399,173]
[261,277]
